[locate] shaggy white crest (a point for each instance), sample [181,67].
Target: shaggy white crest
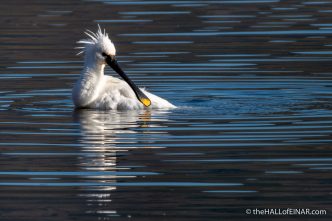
[99,41]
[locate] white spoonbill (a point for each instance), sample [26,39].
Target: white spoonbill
[98,91]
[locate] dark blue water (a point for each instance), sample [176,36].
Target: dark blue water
[252,81]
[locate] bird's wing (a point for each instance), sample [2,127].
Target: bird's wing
[118,95]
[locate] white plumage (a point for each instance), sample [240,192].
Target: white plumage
[96,90]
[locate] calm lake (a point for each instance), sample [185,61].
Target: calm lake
[252,81]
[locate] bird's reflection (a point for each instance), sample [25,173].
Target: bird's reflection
[106,136]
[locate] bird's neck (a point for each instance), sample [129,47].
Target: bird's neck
[92,67]
[88,86]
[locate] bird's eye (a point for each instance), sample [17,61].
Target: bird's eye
[104,54]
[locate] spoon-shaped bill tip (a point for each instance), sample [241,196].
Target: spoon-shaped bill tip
[145,101]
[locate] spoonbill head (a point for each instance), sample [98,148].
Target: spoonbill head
[97,47]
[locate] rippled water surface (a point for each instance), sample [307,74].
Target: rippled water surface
[253,83]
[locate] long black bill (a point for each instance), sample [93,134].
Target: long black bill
[139,94]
